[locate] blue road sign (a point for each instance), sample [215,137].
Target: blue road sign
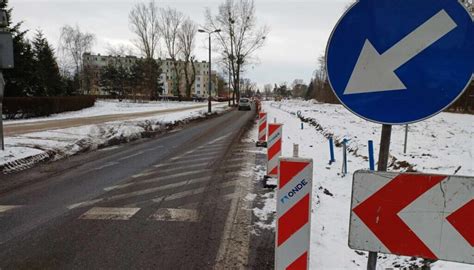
[399,62]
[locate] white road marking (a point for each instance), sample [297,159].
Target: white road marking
[156,147]
[191,192]
[84,204]
[175,215]
[192,158]
[174,167]
[109,164]
[133,155]
[219,139]
[157,179]
[176,164]
[205,153]
[185,160]
[109,213]
[213,146]
[6,208]
[179,195]
[143,174]
[156,189]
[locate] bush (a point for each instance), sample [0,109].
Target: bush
[26,107]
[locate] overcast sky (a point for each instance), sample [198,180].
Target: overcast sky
[299,29]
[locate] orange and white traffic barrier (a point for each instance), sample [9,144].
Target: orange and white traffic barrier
[262,129]
[293,228]
[274,148]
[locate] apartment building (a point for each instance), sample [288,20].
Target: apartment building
[94,64]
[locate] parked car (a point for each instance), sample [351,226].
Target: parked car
[244,104]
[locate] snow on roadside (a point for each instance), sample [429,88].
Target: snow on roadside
[332,192]
[26,150]
[110,107]
[442,144]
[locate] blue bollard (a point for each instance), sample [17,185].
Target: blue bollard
[371,156]
[302,126]
[331,151]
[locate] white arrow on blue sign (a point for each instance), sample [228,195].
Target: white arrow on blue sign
[400,62]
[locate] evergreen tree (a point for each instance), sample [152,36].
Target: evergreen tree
[116,80]
[47,71]
[310,92]
[146,78]
[20,81]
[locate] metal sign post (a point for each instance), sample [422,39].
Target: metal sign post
[406,140]
[382,167]
[6,62]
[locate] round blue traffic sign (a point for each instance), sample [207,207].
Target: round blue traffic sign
[400,62]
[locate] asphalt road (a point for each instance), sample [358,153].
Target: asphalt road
[12,129]
[172,202]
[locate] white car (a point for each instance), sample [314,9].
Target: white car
[244,104]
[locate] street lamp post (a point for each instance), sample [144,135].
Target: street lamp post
[228,86]
[210,66]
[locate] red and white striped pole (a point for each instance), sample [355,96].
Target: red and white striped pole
[274,149]
[262,129]
[294,196]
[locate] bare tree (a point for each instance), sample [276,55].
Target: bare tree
[249,88]
[120,50]
[143,19]
[73,43]
[240,37]
[170,21]
[322,89]
[267,90]
[187,39]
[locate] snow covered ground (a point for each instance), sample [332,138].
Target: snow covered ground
[111,107]
[26,150]
[443,144]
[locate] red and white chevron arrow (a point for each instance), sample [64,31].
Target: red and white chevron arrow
[420,215]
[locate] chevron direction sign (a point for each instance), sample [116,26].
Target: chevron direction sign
[420,215]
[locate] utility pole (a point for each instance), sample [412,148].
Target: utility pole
[6,62]
[209,104]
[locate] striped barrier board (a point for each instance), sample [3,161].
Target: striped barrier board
[412,214]
[293,228]
[262,127]
[274,149]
